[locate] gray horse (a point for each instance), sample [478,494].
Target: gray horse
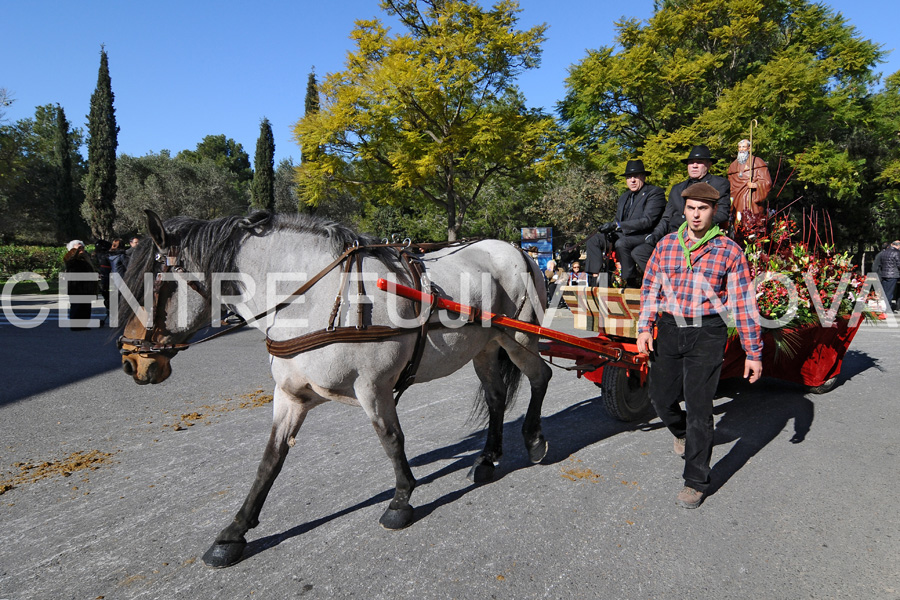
[239,262]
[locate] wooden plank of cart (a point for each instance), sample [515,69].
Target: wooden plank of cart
[810,355]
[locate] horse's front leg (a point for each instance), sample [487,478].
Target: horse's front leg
[383,413]
[289,413]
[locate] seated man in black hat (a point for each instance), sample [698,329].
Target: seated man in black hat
[638,211]
[698,163]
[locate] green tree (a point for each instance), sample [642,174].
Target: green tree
[311,107]
[67,203]
[701,70]
[433,110]
[174,186]
[262,190]
[286,198]
[225,152]
[573,202]
[100,183]
[30,184]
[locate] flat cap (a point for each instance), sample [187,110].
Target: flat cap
[701,191]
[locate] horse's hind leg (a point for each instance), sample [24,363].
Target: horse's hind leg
[289,414]
[380,406]
[538,374]
[489,369]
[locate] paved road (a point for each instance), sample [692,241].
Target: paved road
[805,502]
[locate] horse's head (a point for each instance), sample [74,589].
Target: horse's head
[180,306]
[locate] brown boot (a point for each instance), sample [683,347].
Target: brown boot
[678,447]
[689,497]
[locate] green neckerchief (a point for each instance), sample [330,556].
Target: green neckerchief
[710,234]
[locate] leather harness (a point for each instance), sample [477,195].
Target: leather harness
[310,341]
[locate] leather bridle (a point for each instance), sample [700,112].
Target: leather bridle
[171,263]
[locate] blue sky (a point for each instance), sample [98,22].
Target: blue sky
[182,70]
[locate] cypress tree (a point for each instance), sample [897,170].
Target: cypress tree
[262,190]
[100,183]
[311,107]
[66,209]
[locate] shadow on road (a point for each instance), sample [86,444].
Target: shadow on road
[564,430]
[757,414]
[48,357]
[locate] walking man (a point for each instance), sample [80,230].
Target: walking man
[889,272]
[693,276]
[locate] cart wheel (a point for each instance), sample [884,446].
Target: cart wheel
[624,397]
[824,388]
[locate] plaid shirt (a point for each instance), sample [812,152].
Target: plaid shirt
[718,282]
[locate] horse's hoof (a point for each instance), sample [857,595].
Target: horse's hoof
[481,472]
[222,555]
[397,518]
[538,450]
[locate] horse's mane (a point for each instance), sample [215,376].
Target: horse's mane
[212,246]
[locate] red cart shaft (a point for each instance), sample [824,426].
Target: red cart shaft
[474,314]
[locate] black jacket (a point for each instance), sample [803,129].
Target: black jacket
[646,209]
[890,263]
[673,216]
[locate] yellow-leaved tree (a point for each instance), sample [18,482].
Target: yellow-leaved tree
[431,114]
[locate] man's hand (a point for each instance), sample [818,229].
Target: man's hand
[608,227]
[752,369]
[650,239]
[645,343]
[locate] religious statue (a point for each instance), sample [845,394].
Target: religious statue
[750,182]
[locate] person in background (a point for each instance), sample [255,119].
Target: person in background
[698,163]
[576,276]
[76,260]
[637,213]
[117,259]
[889,272]
[130,250]
[104,268]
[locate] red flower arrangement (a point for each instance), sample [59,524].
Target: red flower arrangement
[803,282]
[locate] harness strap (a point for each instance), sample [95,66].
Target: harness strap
[324,337]
[408,376]
[298,292]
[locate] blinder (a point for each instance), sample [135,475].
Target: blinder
[171,263]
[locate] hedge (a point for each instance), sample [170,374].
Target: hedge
[46,261]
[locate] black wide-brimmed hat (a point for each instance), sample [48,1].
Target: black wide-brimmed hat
[699,153]
[635,167]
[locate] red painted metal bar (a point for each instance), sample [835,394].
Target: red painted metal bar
[593,344]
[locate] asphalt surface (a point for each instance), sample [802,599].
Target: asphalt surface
[118,489]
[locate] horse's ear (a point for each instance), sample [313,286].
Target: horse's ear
[156,229]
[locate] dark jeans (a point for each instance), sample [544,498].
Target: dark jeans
[625,246]
[597,246]
[595,252]
[686,364]
[641,254]
[889,284]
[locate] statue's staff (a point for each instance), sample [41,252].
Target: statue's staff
[752,164]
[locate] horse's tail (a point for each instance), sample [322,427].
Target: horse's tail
[511,376]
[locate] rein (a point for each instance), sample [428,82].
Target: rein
[310,341]
[173,263]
